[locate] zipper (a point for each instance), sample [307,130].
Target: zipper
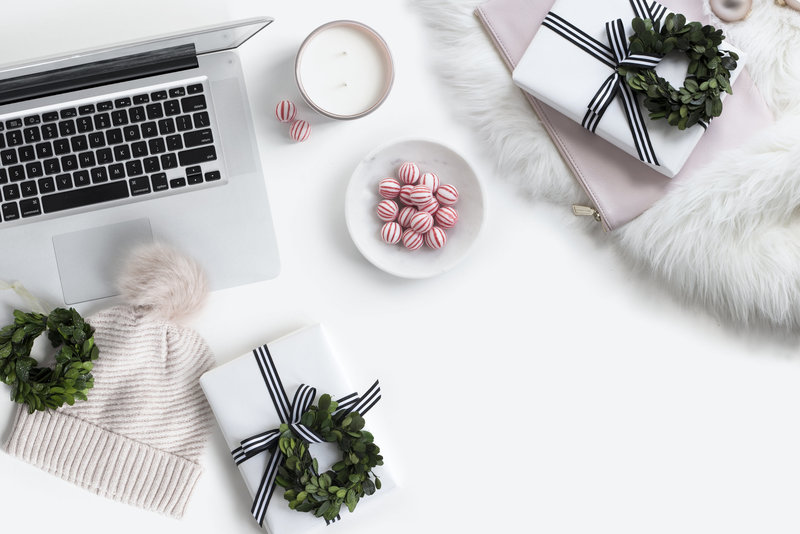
[586,211]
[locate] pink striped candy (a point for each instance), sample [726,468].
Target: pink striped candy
[446,217]
[389,188]
[421,222]
[404,218]
[430,180]
[436,238]
[412,240]
[387,210]
[405,194]
[420,195]
[391,233]
[408,173]
[447,195]
[285,111]
[300,131]
[429,207]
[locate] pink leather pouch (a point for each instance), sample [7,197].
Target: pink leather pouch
[620,187]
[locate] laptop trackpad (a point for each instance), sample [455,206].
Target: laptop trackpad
[88,260]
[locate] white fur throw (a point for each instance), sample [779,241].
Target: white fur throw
[729,238]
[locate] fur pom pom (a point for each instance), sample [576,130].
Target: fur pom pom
[162,282]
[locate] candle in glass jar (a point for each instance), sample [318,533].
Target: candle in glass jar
[344,69]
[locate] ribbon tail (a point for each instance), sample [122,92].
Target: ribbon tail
[641,137]
[266,488]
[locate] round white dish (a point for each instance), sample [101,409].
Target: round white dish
[362,199]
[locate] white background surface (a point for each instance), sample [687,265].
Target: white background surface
[538,387]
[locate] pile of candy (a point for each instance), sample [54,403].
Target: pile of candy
[286,112]
[417,211]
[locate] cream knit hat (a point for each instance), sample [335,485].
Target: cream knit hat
[138,437]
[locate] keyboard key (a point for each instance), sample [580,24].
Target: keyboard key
[69,163]
[202,120]
[155,111]
[177,91]
[14,138]
[165,127]
[81,178]
[184,123]
[134,168]
[174,142]
[60,147]
[104,156]
[194,89]
[114,136]
[49,131]
[69,113]
[10,211]
[197,155]
[50,116]
[177,182]
[105,106]
[86,159]
[149,129]
[169,161]
[3,176]
[2,141]
[122,152]
[131,133]
[137,114]
[157,146]
[195,179]
[139,186]
[85,196]
[158,95]
[27,153]
[34,170]
[101,121]
[122,102]
[79,143]
[116,171]
[44,150]
[66,128]
[172,107]
[139,150]
[194,169]
[47,185]
[8,157]
[119,118]
[30,207]
[159,181]
[97,140]
[32,119]
[63,182]
[84,124]
[32,135]
[28,188]
[52,166]
[141,99]
[14,123]
[88,109]
[16,173]
[212,176]
[197,138]
[99,175]
[151,165]
[193,103]
[10,192]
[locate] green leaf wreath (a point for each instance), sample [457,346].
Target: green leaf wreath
[709,70]
[42,388]
[347,481]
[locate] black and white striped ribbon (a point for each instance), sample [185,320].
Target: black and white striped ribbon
[616,54]
[289,414]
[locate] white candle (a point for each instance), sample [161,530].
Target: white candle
[344,69]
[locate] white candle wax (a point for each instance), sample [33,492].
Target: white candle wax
[344,69]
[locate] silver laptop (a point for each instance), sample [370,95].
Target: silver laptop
[151,140]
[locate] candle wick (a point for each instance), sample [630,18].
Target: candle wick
[344,52]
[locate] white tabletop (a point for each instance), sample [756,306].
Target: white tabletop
[546,388]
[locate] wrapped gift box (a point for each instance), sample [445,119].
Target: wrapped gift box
[242,406]
[565,77]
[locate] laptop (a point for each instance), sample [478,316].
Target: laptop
[105,149]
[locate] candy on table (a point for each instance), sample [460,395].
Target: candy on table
[389,188]
[405,194]
[446,217]
[408,173]
[387,210]
[447,195]
[391,233]
[285,111]
[404,218]
[436,238]
[421,222]
[300,131]
[412,240]
[430,180]
[420,195]
[429,207]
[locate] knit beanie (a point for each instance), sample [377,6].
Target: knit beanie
[139,436]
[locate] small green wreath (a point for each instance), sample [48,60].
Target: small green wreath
[347,481]
[709,70]
[42,388]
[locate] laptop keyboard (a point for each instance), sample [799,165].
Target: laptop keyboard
[135,146]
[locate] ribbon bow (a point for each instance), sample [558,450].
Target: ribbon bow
[616,54]
[290,414]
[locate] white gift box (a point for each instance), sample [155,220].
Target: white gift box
[565,77]
[242,406]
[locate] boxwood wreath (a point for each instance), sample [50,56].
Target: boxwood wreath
[347,481]
[708,75]
[42,388]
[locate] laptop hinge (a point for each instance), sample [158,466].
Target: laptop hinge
[98,73]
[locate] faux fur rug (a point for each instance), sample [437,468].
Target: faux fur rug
[729,238]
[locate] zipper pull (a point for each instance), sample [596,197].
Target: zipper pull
[586,211]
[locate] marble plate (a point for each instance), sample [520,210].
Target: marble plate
[362,198]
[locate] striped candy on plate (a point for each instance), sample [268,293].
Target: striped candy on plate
[421,222]
[389,188]
[447,195]
[387,210]
[436,238]
[430,207]
[430,180]
[404,218]
[408,173]
[285,111]
[405,194]
[420,195]
[391,233]
[412,240]
[446,217]
[300,131]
